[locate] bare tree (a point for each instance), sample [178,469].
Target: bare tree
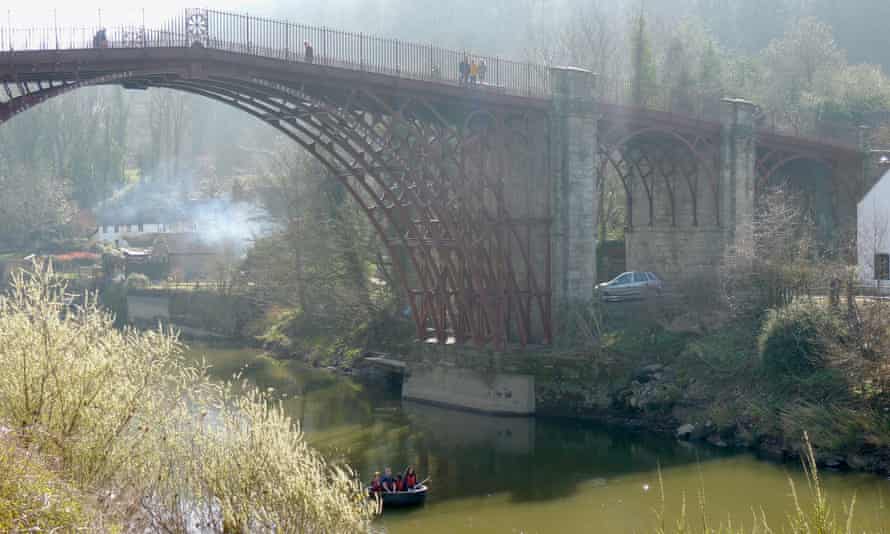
[779,262]
[169,124]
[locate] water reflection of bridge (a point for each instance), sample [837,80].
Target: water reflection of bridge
[486,195]
[454,428]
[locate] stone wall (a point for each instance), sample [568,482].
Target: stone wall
[675,253]
[148,308]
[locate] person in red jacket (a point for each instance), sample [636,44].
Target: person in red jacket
[410,478]
[376,486]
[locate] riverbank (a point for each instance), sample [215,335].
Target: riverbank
[698,377]
[699,382]
[535,474]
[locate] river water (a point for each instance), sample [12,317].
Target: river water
[519,475]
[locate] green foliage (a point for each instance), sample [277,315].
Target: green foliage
[798,340]
[836,427]
[334,290]
[293,332]
[123,412]
[722,354]
[643,77]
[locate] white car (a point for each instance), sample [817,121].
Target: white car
[630,285]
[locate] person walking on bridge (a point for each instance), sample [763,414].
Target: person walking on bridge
[464,70]
[474,72]
[310,53]
[483,68]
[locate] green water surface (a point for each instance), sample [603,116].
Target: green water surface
[523,475]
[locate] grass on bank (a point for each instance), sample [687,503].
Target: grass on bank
[34,498]
[150,438]
[818,518]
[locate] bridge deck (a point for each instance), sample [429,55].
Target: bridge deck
[345,59]
[65,65]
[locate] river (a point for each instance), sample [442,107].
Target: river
[519,475]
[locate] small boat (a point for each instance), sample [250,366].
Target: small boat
[403,499]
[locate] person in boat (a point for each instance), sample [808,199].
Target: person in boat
[376,485]
[410,479]
[400,483]
[388,482]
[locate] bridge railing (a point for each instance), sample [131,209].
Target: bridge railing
[286,41]
[358,51]
[424,62]
[704,104]
[82,37]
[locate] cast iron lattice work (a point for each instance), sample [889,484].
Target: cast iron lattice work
[456,180]
[449,178]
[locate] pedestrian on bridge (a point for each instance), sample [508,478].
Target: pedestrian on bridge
[464,70]
[100,40]
[474,72]
[310,53]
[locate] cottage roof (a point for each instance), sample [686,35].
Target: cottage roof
[148,214]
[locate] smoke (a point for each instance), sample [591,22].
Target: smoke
[224,222]
[220,222]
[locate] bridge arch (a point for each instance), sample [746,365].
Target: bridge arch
[409,164]
[772,162]
[670,156]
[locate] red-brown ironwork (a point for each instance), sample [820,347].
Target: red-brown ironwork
[454,177]
[445,177]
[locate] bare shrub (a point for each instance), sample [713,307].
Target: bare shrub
[125,414]
[778,262]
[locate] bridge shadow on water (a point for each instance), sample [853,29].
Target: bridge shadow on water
[534,459]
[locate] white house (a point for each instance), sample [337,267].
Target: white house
[873,235]
[113,233]
[117,226]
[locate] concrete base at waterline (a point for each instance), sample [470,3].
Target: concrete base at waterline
[494,393]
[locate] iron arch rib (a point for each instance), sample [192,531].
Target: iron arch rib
[431,186]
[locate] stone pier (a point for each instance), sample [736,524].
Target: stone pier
[738,160]
[574,160]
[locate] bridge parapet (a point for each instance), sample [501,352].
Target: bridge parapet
[287,41]
[360,52]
